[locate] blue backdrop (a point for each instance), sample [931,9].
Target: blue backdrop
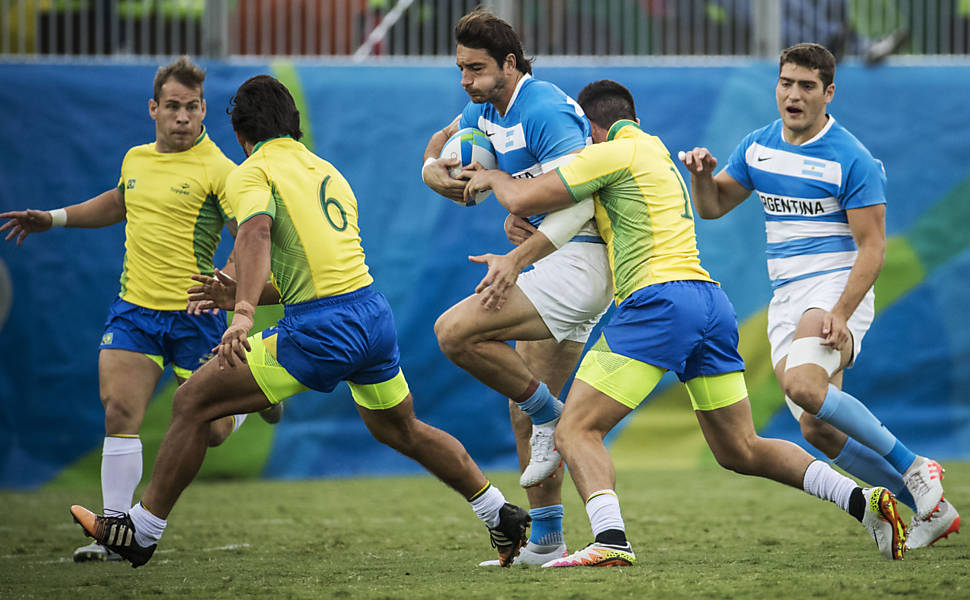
[67,127]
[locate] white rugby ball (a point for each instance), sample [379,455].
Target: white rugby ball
[470,145]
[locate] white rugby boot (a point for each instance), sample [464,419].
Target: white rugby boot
[597,555]
[926,532]
[545,459]
[924,480]
[883,522]
[533,554]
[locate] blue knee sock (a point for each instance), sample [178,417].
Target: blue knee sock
[541,406]
[863,463]
[546,525]
[851,416]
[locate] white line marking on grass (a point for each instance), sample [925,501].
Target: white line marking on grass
[229,547]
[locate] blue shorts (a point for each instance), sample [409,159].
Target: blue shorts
[350,337]
[688,327]
[177,337]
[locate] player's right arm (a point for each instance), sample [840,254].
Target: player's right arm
[104,209]
[435,170]
[714,196]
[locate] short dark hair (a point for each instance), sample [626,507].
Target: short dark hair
[811,56]
[482,30]
[184,71]
[263,109]
[605,102]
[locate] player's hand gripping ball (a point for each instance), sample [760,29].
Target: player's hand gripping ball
[470,145]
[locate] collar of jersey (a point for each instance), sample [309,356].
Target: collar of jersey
[515,93]
[260,145]
[615,129]
[201,137]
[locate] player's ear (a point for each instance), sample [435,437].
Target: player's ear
[203,108]
[829,92]
[509,62]
[153,109]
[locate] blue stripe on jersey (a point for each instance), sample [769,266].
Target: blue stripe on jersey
[777,283]
[589,239]
[817,245]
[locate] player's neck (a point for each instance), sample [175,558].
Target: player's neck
[503,105]
[797,138]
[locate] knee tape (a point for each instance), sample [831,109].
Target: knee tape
[796,410]
[810,351]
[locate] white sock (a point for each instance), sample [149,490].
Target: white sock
[237,421]
[487,504]
[822,481]
[603,508]
[121,466]
[148,527]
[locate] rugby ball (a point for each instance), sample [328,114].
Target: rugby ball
[470,145]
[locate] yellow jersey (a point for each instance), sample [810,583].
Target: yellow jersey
[642,208]
[175,208]
[316,247]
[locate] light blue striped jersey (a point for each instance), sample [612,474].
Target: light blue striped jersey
[541,127]
[805,191]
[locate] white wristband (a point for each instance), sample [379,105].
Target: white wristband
[427,162]
[58,217]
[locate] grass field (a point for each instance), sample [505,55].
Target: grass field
[701,533]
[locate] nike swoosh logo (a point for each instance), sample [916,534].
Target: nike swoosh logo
[761,158]
[487,134]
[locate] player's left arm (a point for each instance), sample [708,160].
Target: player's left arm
[252,252]
[868,225]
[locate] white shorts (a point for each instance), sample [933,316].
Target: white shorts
[790,302]
[571,289]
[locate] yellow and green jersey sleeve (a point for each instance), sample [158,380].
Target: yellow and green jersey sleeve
[642,208]
[175,208]
[316,246]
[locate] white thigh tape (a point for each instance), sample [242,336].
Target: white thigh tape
[810,351]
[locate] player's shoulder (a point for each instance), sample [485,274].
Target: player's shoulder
[846,143]
[538,96]
[141,151]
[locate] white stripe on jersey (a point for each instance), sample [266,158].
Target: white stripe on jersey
[782,162]
[782,231]
[788,205]
[787,268]
[504,139]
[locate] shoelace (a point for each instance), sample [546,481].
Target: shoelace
[542,445]
[916,480]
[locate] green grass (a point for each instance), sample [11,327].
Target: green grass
[698,533]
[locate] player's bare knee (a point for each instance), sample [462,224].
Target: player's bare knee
[119,417]
[451,336]
[219,431]
[738,456]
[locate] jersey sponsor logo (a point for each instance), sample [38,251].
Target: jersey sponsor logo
[130,185]
[182,190]
[779,205]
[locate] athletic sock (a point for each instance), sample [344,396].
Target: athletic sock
[540,405]
[121,467]
[863,463]
[148,527]
[857,504]
[237,421]
[487,503]
[822,481]
[851,416]
[546,525]
[603,508]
